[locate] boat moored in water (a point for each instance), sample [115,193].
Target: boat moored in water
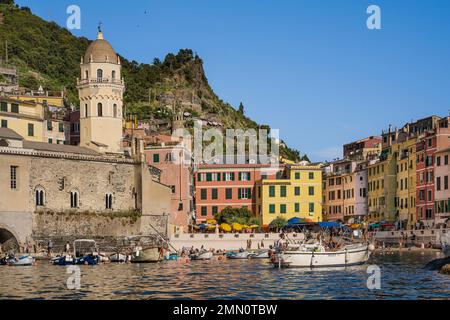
[205,255]
[240,255]
[21,261]
[315,255]
[146,255]
[118,257]
[263,254]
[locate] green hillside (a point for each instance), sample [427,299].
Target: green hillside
[49,55]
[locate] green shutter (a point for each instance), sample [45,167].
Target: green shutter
[240,176]
[249,176]
[199,177]
[249,193]
[209,176]
[232,176]
[239,193]
[219,176]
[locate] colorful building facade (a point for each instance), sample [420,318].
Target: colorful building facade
[298,193]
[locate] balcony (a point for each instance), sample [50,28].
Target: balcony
[81,82]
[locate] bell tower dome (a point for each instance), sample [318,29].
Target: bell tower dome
[100,89]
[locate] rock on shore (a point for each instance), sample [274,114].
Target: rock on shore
[446,269]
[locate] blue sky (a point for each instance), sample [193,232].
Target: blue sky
[308,67]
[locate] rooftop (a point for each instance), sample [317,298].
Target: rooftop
[7,133]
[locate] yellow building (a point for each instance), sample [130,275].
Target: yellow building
[376,191]
[45,98]
[25,118]
[297,194]
[405,201]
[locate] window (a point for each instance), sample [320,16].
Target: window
[214,194]
[86,74]
[50,140]
[13,172]
[156,158]
[115,110]
[203,194]
[282,208]
[283,191]
[271,191]
[244,176]
[86,110]
[30,130]
[228,193]
[3,106]
[438,161]
[99,73]
[39,197]
[49,125]
[244,193]
[311,175]
[108,201]
[297,207]
[438,183]
[99,110]
[311,191]
[228,176]
[14,107]
[297,175]
[311,207]
[74,199]
[204,211]
[446,160]
[113,75]
[446,183]
[61,127]
[4,123]
[215,210]
[297,191]
[271,208]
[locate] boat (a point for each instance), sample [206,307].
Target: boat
[85,251]
[205,255]
[145,255]
[445,244]
[170,256]
[263,254]
[21,261]
[315,255]
[240,255]
[118,257]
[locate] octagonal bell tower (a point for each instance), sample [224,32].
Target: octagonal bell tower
[100,90]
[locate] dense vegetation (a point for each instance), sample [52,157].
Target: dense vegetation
[236,215]
[49,55]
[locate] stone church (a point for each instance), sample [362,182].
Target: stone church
[98,189]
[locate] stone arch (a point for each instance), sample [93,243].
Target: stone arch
[8,239]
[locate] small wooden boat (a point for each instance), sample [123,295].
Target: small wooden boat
[22,261]
[118,257]
[206,255]
[240,255]
[146,255]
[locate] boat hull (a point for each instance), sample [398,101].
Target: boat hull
[22,261]
[240,255]
[445,244]
[147,255]
[118,257]
[300,259]
[202,256]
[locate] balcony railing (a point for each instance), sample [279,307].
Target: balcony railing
[100,80]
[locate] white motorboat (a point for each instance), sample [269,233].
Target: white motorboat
[445,244]
[206,255]
[240,255]
[315,255]
[118,257]
[21,261]
[263,254]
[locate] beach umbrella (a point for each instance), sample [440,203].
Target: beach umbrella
[202,226]
[254,226]
[211,221]
[225,227]
[237,226]
[355,226]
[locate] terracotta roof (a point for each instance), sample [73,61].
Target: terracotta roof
[58,148]
[7,133]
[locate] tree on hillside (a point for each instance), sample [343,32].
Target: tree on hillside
[305,158]
[241,108]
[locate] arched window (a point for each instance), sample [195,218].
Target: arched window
[86,73]
[115,110]
[108,201]
[86,110]
[113,74]
[74,199]
[39,197]
[99,110]
[99,73]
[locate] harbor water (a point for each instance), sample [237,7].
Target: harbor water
[402,277]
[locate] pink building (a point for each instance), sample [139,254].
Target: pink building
[176,172]
[218,186]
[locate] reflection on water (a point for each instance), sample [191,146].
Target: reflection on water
[402,277]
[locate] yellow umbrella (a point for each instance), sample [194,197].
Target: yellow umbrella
[210,227]
[211,221]
[237,226]
[225,227]
[254,226]
[355,226]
